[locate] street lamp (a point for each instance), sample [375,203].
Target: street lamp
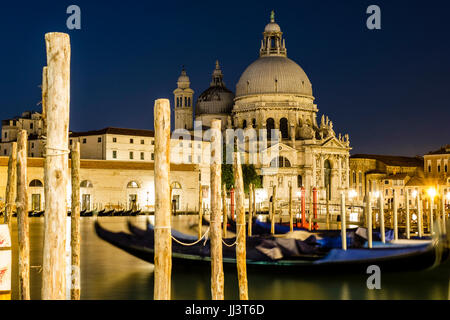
[432,192]
[352,194]
[414,193]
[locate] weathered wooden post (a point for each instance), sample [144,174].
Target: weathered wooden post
[163,237]
[343,222]
[56,166]
[274,208]
[225,211]
[22,217]
[250,209]
[408,216]
[75,223]
[241,254]
[381,218]
[11,185]
[419,216]
[431,226]
[5,262]
[291,213]
[200,210]
[217,275]
[444,216]
[369,221]
[395,214]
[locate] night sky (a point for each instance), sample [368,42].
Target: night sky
[388,89]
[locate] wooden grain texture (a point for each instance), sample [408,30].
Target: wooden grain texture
[22,216]
[381,218]
[250,209]
[11,185]
[217,275]
[343,222]
[225,211]
[291,213]
[56,175]
[163,237]
[241,254]
[75,235]
[274,209]
[200,211]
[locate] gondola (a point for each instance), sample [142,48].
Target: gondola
[276,253]
[118,213]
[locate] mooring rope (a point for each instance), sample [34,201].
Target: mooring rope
[194,243]
[237,236]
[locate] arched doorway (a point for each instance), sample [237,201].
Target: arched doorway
[327,176]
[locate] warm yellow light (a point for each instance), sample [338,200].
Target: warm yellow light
[352,193]
[414,193]
[448,196]
[376,194]
[431,192]
[299,194]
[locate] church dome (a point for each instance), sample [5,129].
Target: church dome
[274,74]
[217,99]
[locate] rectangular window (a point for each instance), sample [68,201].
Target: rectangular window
[199,159]
[99,140]
[32,145]
[142,156]
[32,155]
[131,141]
[70,141]
[153,142]
[190,159]
[114,154]
[36,202]
[153,156]
[114,140]
[131,155]
[31,126]
[6,135]
[84,141]
[142,142]
[439,168]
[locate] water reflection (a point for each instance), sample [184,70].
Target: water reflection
[109,273]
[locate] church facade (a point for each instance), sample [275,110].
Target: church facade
[274,93]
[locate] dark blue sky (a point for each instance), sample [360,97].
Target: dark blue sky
[389,89]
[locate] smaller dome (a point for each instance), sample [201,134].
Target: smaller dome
[183,80]
[217,99]
[272,27]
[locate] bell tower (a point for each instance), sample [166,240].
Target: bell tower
[183,102]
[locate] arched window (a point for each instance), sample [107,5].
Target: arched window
[270,125]
[244,124]
[175,185]
[133,185]
[86,184]
[284,128]
[280,162]
[36,184]
[254,123]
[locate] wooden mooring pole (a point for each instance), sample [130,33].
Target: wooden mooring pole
[369,222]
[274,208]
[241,254]
[419,216]
[343,222]
[22,216]
[11,185]
[395,214]
[200,211]
[217,275]
[381,217]
[291,212]
[225,211]
[75,223]
[250,209]
[408,216]
[163,237]
[56,166]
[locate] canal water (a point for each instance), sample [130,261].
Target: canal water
[111,274]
